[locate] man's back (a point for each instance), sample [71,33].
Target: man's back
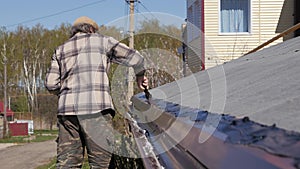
[82,62]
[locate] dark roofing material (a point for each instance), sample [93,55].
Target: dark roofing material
[263,86]
[231,131]
[261,100]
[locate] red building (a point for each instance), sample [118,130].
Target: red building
[9,113]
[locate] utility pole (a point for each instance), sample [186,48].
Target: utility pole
[5,127]
[131,45]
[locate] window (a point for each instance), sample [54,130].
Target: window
[235,16]
[190,24]
[197,14]
[194,20]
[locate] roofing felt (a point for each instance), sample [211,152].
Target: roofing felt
[263,86]
[253,100]
[280,147]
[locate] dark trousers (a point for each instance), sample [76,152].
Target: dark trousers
[91,132]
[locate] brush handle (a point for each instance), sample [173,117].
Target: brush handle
[147,93]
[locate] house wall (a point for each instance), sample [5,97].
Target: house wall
[220,48]
[287,18]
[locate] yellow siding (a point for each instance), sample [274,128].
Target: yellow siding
[265,16]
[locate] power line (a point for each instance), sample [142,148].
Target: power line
[58,13]
[126,13]
[138,11]
[147,9]
[136,8]
[142,14]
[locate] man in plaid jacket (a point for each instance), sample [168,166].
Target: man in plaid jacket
[78,77]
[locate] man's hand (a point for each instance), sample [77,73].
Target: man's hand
[142,82]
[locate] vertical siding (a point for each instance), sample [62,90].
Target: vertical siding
[265,16]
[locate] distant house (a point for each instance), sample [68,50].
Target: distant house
[9,113]
[221,30]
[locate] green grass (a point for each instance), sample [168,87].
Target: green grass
[16,139]
[52,165]
[120,162]
[38,136]
[46,132]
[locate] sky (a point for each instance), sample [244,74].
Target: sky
[52,13]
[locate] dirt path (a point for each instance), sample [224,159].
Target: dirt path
[27,156]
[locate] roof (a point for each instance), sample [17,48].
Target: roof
[263,86]
[8,111]
[251,102]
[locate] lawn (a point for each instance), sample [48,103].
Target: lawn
[38,136]
[119,162]
[51,165]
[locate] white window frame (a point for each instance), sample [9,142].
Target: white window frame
[237,33]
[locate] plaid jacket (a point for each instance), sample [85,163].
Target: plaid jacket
[78,72]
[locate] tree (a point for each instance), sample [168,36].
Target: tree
[159,44]
[29,52]
[48,107]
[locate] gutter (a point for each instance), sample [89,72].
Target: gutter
[218,151]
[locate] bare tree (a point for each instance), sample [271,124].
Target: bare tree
[32,54]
